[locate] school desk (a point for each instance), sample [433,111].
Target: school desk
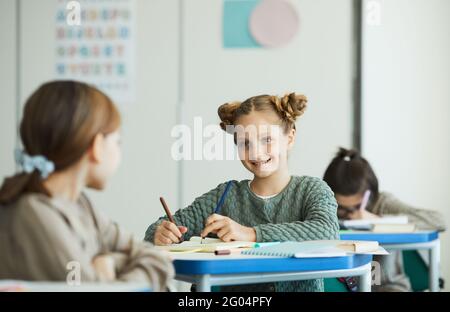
[206,269]
[420,240]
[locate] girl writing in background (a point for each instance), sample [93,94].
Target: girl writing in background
[350,176]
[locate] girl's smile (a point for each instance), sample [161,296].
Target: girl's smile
[262,166]
[261,143]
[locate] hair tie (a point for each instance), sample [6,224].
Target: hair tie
[347,158]
[31,163]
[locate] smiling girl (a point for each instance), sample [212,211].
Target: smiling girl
[274,205]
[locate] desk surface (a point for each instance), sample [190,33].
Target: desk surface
[199,263]
[391,238]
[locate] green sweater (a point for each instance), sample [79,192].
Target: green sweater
[304,210]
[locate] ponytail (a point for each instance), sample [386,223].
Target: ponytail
[349,174]
[13,187]
[347,154]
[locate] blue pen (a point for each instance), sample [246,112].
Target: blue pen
[221,200]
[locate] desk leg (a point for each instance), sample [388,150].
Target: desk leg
[433,277]
[204,284]
[365,280]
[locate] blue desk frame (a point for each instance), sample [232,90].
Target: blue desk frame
[427,240]
[207,271]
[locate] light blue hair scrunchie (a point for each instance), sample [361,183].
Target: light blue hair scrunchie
[31,163]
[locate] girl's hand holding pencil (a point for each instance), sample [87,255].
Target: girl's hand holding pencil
[228,230]
[168,232]
[225,228]
[362,213]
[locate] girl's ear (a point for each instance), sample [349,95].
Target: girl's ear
[96,152]
[291,138]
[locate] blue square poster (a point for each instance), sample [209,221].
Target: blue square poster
[236,15]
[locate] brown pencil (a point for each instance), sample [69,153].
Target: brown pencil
[169,215]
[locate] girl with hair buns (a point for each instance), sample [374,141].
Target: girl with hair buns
[49,231]
[350,176]
[274,205]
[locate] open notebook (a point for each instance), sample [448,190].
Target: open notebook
[208,245]
[318,249]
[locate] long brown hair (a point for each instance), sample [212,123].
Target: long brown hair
[60,121]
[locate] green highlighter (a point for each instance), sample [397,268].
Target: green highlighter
[259,245]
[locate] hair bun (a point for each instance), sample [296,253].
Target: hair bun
[291,105]
[347,154]
[226,113]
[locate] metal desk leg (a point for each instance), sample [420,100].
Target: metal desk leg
[365,280]
[433,277]
[204,284]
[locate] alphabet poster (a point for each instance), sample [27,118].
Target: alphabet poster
[95,43]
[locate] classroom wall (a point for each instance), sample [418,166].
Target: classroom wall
[319,62]
[147,170]
[7,86]
[322,55]
[406,96]
[320,58]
